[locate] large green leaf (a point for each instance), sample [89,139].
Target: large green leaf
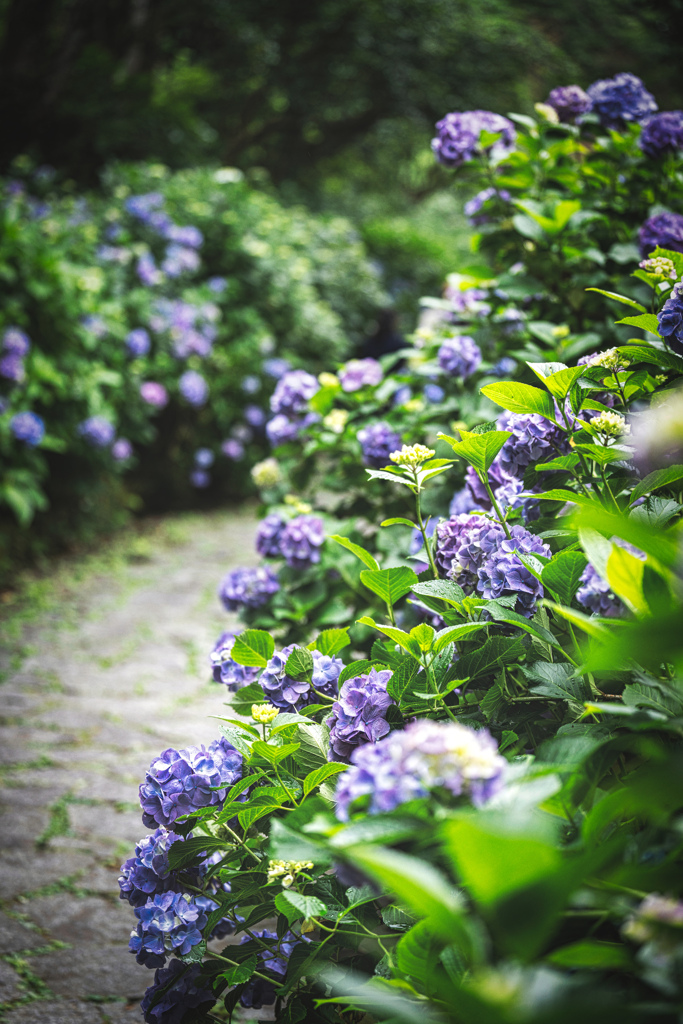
[331,641]
[389,584]
[520,398]
[445,590]
[562,575]
[254,647]
[357,550]
[299,664]
[646,322]
[320,775]
[479,450]
[625,301]
[660,478]
[497,651]
[295,906]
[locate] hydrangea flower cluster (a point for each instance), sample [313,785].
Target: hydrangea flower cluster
[97,431]
[297,540]
[534,439]
[182,991]
[147,872]
[621,99]
[662,134]
[359,714]
[289,402]
[248,588]
[288,694]
[662,229]
[508,490]
[169,922]
[360,373]
[458,138]
[121,449]
[15,346]
[266,473]
[595,593]
[154,394]
[473,206]
[180,781]
[459,356]
[227,671]
[28,427]
[569,102]
[179,259]
[464,542]
[273,962]
[670,320]
[193,388]
[190,327]
[423,757]
[138,342]
[503,573]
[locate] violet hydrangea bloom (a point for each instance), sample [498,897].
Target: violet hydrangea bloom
[569,102]
[503,573]
[459,356]
[464,542]
[289,694]
[28,427]
[97,431]
[154,394]
[473,206]
[148,872]
[16,341]
[621,99]
[182,991]
[534,439]
[12,367]
[662,134]
[193,388]
[596,595]
[227,671]
[293,391]
[200,478]
[507,490]
[424,756]
[670,320]
[268,536]
[180,781]
[232,449]
[378,441]
[458,136]
[281,429]
[272,962]
[186,235]
[138,342]
[301,540]
[168,923]
[121,449]
[179,259]
[147,270]
[248,588]
[360,373]
[359,714]
[665,230]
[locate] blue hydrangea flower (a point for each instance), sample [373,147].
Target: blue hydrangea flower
[182,991]
[359,714]
[464,542]
[621,99]
[534,439]
[507,490]
[187,235]
[28,427]
[141,206]
[290,695]
[268,536]
[474,206]
[458,134]
[569,102]
[200,478]
[121,449]
[232,449]
[248,588]
[193,388]
[254,416]
[168,923]
[178,260]
[663,229]
[276,367]
[98,431]
[148,872]
[424,756]
[281,429]
[360,373]
[180,781]
[433,393]
[138,342]
[273,962]
[147,270]
[462,501]
[301,540]
[459,356]
[227,671]
[292,392]
[378,441]
[504,367]
[15,341]
[12,367]
[217,284]
[670,320]
[662,134]
[503,573]
[204,457]
[596,595]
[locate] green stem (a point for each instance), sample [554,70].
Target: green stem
[284,786]
[233,963]
[425,538]
[496,507]
[241,842]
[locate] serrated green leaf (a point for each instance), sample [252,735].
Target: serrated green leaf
[389,584]
[660,478]
[625,301]
[274,754]
[479,450]
[295,906]
[403,676]
[241,973]
[445,590]
[562,575]
[299,665]
[520,398]
[354,669]
[488,658]
[315,743]
[254,648]
[646,322]
[357,550]
[331,641]
[320,775]
[451,634]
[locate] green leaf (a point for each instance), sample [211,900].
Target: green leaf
[646,322]
[423,635]
[241,973]
[560,682]
[404,640]
[274,754]
[443,589]
[451,634]
[299,665]
[619,298]
[195,955]
[398,521]
[660,478]
[237,737]
[331,641]
[562,575]
[357,550]
[402,677]
[653,694]
[389,584]
[320,775]
[417,953]
[295,906]
[591,954]
[479,450]
[560,494]
[625,577]
[520,398]
[315,742]
[356,668]
[254,647]
[180,854]
[500,613]
[242,701]
[497,651]
[585,622]
[559,381]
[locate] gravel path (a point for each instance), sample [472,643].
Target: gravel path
[111,671]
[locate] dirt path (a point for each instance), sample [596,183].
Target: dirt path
[105,668]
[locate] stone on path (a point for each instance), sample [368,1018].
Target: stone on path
[114,671]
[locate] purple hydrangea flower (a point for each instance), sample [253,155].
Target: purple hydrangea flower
[182,991]
[424,756]
[504,367]
[204,457]
[273,962]
[503,573]
[170,922]
[359,714]
[268,536]
[193,388]
[360,373]
[187,235]
[292,392]
[464,542]
[28,427]
[248,588]
[141,206]
[289,694]
[12,367]
[301,540]
[596,595]
[178,260]
[97,431]
[665,230]
[121,449]
[459,356]
[507,490]
[473,206]
[227,671]
[662,134]
[275,367]
[138,342]
[217,284]
[280,430]
[569,102]
[433,393]
[255,416]
[200,478]
[16,341]
[154,394]
[670,320]
[534,439]
[232,449]
[461,502]
[181,781]
[148,871]
[621,99]
[251,384]
[466,300]
[147,270]
[457,141]
[378,441]
[95,325]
